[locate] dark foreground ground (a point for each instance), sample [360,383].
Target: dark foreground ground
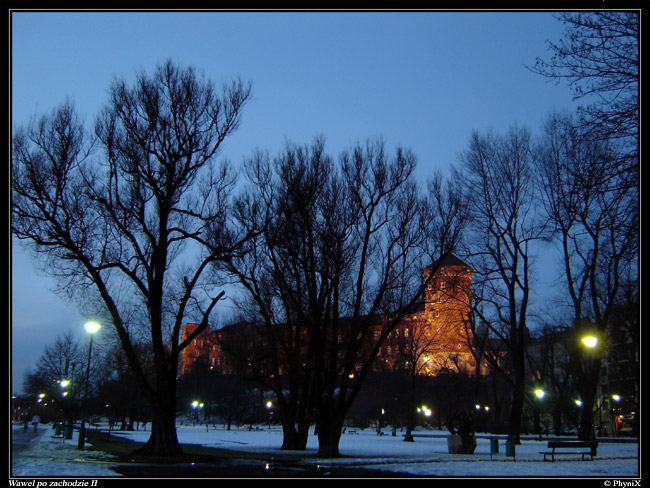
[226,470]
[200,462]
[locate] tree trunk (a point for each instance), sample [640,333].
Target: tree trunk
[408,436]
[516,411]
[163,440]
[410,415]
[293,439]
[329,435]
[588,394]
[519,390]
[410,420]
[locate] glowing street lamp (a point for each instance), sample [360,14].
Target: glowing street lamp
[196,405]
[426,411]
[63,384]
[590,341]
[91,328]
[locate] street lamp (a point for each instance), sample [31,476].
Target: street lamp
[91,328]
[426,411]
[590,341]
[63,384]
[196,405]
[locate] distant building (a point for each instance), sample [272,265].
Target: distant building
[436,335]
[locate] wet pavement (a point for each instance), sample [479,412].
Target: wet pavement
[20,438]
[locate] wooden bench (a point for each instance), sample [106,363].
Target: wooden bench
[561,445]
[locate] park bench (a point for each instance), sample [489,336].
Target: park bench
[557,448]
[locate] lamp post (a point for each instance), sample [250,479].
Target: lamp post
[269,410]
[196,405]
[612,414]
[539,393]
[592,346]
[91,328]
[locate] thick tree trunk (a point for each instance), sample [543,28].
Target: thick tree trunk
[293,439]
[329,436]
[163,440]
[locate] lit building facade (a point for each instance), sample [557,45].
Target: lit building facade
[435,337]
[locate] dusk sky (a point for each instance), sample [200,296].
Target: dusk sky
[423,80]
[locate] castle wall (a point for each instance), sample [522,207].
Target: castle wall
[439,327]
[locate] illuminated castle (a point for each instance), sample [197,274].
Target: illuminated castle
[434,337]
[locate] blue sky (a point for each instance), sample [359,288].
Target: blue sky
[423,80]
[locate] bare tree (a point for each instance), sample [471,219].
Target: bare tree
[552,358]
[276,353]
[498,179]
[595,215]
[142,222]
[340,263]
[58,374]
[422,352]
[598,57]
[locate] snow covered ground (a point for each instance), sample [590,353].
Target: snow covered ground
[427,456]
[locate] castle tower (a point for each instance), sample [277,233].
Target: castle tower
[447,302]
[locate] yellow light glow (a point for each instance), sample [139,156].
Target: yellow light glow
[590,341]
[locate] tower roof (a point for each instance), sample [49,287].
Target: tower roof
[450,260]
